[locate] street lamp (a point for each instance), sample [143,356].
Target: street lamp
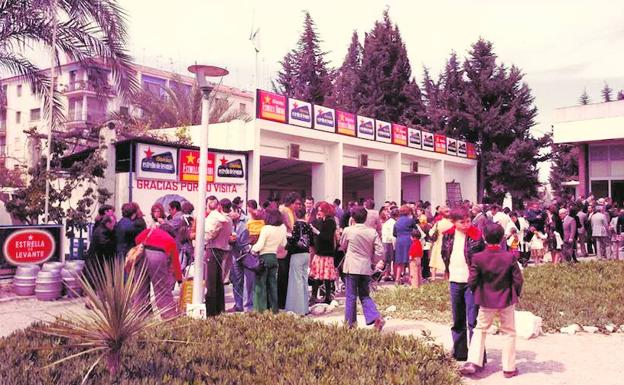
[202,74]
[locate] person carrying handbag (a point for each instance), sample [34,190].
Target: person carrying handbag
[298,246]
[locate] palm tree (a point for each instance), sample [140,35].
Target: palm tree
[84,30]
[176,106]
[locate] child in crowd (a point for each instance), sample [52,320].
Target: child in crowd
[556,253]
[513,242]
[536,245]
[496,282]
[415,258]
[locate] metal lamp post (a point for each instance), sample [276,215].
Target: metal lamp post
[202,73]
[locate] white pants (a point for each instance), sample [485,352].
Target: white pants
[508,326]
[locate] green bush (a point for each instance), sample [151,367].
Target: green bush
[239,349]
[590,293]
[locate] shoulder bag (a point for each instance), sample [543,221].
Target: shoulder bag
[136,253]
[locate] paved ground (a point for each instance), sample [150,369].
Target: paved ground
[553,359]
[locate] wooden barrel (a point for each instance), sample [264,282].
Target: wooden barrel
[50,266]
[49,285]
[71,281]
[24,280]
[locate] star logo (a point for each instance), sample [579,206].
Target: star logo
[190,158]
[267,99]
[149,152]
[30,237]
[320,111]
[223,161]
[295,105]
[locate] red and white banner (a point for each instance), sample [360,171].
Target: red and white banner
[440,143]
[271,106]
[399,134]
[345,123]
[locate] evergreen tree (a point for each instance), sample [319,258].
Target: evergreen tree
[450,98]
[385,72]
[345,91]
[434,117]
[584,99]
[564,167]
[606,93]
[499,115]
[415,110]
[620,95]
[304,73]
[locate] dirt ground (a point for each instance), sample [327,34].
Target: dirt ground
[552,359]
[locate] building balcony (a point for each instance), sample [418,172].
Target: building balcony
[82,87]
[76,120]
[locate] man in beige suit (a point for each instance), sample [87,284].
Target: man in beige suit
[363,249]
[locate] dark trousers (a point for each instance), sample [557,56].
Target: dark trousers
[426,270]
[215,294]
[358,287]
[242,280]
[464,318]
[282,280]
[265,289]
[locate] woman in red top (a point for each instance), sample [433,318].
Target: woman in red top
[162,268]
[415,258]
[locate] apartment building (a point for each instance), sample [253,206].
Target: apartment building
[89,99]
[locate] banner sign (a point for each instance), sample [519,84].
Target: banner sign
[230,168]
[156,162]
[427,141]
[471,151]
[271,106]
[189,166]
[399,134]
[324,119]
[440,143]
[414,138]
[365,128]
[451,146]
[345,123]
[27,245]
[383,132]
[461,149]
[299,113]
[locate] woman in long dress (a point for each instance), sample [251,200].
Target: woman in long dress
[439,227]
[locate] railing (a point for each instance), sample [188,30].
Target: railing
[82,85]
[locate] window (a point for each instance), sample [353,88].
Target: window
[35,114]
[2,145]
[19,90]
[242,108]
[600,188]
[18,117]
[123,111]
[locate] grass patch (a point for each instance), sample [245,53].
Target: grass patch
[589,293]
[239,349]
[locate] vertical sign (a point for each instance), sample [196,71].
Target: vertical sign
[427,141]
[451,146]
[324,119]
[189,166]
[414,138]
[156,162]
[345,123]
[461,149]
[299,113]
[365,128]
[383,131]
[271,106]
[399,134]
[440,143]
[471,151]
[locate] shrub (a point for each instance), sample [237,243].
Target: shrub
[242,349]
[585,293]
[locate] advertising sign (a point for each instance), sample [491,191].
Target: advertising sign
[414,138]
[27,245]
[451,146]
[345,123]
[271,106]
[427,141]
[189,166]
[471,151]
[156,162]
[230,168]
[365,128]
[324,119]
[299,113]
[399,134]
[440,143]
[461,149]
[383,131]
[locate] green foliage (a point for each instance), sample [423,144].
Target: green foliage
[564,167]
[260,349]
[584,98]
[585,293]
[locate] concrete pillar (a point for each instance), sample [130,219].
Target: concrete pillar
[438,184]
[387,182]
[582,167]
[327,177]
[253,167]
[108,137]
[84,107]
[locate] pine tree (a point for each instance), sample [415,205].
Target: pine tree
[584,99]
[415,110]
[304,73]
[345,90]
[385,72]
[620,95]
[606,93]
[434,118]
[450,98]
[564,166]
[499,115]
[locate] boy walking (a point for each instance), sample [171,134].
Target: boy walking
[496,281]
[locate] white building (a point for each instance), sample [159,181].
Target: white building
[598,132]
[84,107]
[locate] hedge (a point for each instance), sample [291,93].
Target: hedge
[240,349]
[588,294]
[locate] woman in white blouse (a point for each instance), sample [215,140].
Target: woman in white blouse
[272,238]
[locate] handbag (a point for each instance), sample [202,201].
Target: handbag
[251,260]
[304,239]
[136,253]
